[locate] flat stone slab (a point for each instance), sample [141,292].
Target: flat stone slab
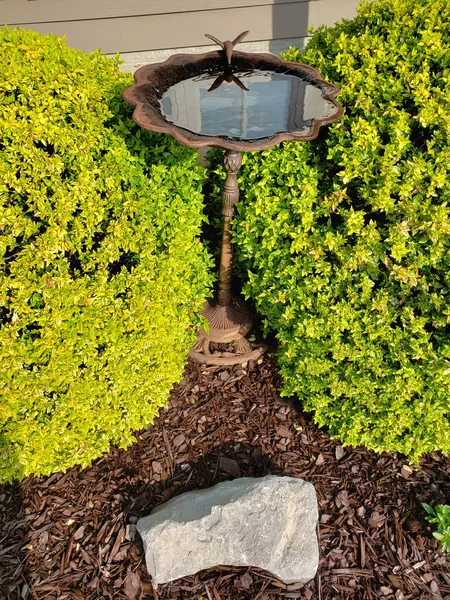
[266,522]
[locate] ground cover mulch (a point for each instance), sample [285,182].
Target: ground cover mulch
[72,535]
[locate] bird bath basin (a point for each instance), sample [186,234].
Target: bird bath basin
[238,101]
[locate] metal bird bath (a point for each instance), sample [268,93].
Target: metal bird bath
[238,101]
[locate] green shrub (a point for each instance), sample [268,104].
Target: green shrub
[440,515]
[346,240]
[102,269]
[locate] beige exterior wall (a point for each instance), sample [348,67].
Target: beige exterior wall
[131,26]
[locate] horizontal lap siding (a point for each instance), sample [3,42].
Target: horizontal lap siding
[140,25]
[41,11]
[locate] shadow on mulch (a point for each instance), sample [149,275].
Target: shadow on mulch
[13,553]
[220,465]
[72,535]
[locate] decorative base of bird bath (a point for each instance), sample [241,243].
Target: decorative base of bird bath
[228,318]
[227,325]
[236,101]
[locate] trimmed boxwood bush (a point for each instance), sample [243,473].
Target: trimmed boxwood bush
[345,241]
[102,269]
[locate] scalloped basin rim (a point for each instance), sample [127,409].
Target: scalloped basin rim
[199,111]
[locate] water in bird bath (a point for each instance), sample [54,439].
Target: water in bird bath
[245,105]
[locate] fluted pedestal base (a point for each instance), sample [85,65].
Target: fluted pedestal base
[227,325]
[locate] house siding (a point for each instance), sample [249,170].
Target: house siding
[144,25]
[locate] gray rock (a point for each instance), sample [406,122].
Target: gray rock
[268,522]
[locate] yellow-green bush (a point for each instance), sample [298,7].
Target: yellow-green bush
[346,240]
[101,265]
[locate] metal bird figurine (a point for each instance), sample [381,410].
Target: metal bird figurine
[228,46]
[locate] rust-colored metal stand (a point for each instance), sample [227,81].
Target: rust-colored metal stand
[229,319]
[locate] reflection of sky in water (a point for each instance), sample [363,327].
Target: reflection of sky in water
[274,102]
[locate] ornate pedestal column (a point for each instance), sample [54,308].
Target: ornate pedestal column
[228,318]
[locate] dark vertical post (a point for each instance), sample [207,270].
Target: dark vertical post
[230,195]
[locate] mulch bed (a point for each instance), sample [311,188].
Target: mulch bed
[70,536]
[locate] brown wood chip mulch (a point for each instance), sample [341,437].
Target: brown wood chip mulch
[70,536]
